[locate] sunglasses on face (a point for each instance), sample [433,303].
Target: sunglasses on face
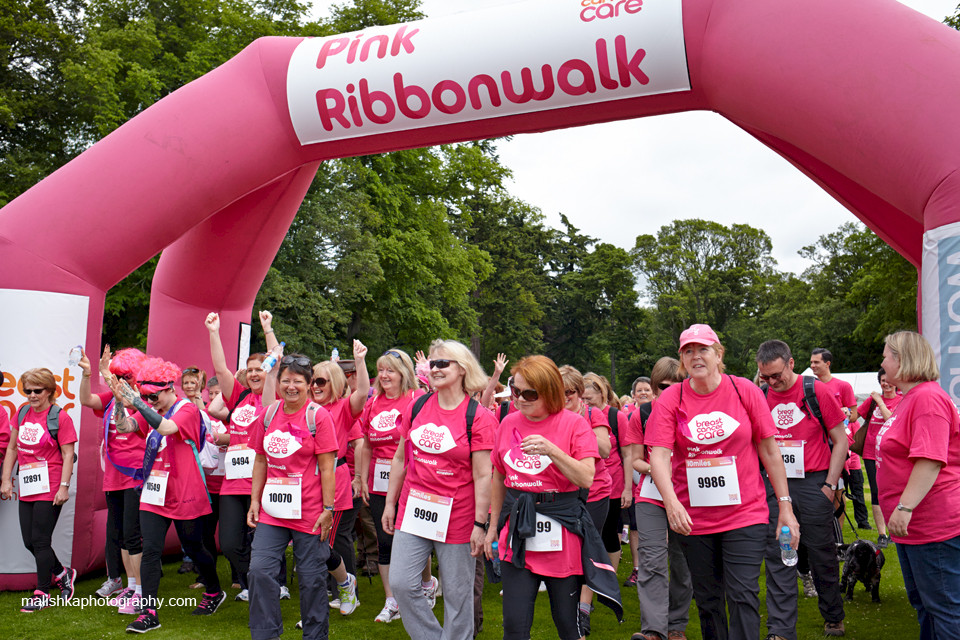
[441,363]
[569,392]
[33,392]
[320,382]
[151,397]
[774,377]
[302,361]
[530,395]
[664,385]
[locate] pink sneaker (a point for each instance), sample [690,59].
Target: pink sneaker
[118,599]
[129,606]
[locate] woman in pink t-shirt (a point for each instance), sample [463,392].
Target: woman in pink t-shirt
[396,387]
[874,411]
[46,465]
[918,475]
[118,451]
[174,489]
[440,475]
[706,438]
[292,500]
[550,453]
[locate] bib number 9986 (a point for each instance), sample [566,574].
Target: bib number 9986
[711,481]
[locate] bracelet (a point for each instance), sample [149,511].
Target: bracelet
[64,484]
[482,525]
[86,375]
[785,499]
[326,508]
[268,331]
[900,507]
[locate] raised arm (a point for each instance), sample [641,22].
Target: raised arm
[498,366]
[359,397]
[86,397]
[224,374]
[266,322]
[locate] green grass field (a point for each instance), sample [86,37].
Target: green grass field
[893,618]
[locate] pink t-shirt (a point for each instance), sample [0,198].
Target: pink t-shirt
[634,435]
[795,425]
[348,430]
[4,434]
[728,422]
[843,391]
[379,423]
[440,461]
[538,474]
[241,420]
[35,444]
[924,425]
[216,477]
[125,449]
[602,482]
[614,462]
[875,423]
[291,452]
[186,494]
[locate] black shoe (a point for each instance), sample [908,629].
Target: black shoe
[865,527]
[210,603]
[146,621]
[583,622]
[65,583]
[187,567]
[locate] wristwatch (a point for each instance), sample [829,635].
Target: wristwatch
[482,525]
[900,507]
[833,487]
[64,484]
[327,508]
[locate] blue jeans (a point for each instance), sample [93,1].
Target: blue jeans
[931,574]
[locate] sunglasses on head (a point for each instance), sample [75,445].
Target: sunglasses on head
[302,361]
[664,385]
[441,363]
[530,395]
[391,352]
[320,382]
[191,370]
[33,392]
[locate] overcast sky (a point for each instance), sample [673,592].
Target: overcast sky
[687,165]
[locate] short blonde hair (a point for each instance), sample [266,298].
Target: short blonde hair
[42,378]
[918,363]
[397,360]
[717,348]
[600,383]
[572,378]
[666,369]
[474,379]
[335,377]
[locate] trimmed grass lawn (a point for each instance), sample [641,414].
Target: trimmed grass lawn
[893,618]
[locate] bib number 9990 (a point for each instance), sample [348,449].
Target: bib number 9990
[425,514]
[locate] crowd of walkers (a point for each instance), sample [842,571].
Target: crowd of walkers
[707,477]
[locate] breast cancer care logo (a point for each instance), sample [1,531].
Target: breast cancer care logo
[530,465]
[30,434]
[716,426]
[385,420]
[786,415]
[431,438]
[243,416]
[280,444]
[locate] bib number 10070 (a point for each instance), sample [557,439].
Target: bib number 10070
[713,482]
[427,515]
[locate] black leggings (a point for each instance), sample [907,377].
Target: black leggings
[154,528]
[123,529]
[598,512]
[871,468]
[210,526]
[37,521]
[343,542]
[610,534]
[235,535]
[384,540]
[520,595]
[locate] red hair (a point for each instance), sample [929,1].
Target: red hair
[126,362]
[155,374]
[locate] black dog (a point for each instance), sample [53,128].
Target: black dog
[862,562]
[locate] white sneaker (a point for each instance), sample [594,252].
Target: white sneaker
[284,592]
[387,614]
[334,603]
[110,587]
[243,596]
[348,596]
[299,624]
[430,593]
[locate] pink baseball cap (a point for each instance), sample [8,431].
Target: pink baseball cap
[700,334]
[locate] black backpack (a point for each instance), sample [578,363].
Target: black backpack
[811,406]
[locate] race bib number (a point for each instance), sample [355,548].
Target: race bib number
[792,453]
[649,490]
[155,488]
[549,535]
[239,462]
[381,475]
[713,482]
[427,515]
[281,498]
[34,479]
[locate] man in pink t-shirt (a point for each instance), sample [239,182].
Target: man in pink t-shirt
[813,473]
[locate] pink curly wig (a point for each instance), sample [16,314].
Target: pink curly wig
[126,362]
[155,374]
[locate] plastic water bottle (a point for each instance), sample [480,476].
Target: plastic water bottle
[271,360]
[76,354]
[787,553]
[495,562]
[335,355]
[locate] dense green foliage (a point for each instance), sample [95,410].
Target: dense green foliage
[401,248]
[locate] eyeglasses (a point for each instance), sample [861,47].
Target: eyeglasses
[33,392]
[774,377]
[151,397]
[302,361]
[530,395]
[441,363]
[664,385]
[569,392]
[391,352]
[320,382]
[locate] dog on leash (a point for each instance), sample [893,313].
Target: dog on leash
[862,561]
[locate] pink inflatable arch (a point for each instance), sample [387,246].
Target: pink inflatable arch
[853,94]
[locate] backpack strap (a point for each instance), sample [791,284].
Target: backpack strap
[243,394]
[22,414]
[471,414]
[271,412]
[418,405]
[612,420]
[312,417]
[193,445]
[813,406]
[504,409]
